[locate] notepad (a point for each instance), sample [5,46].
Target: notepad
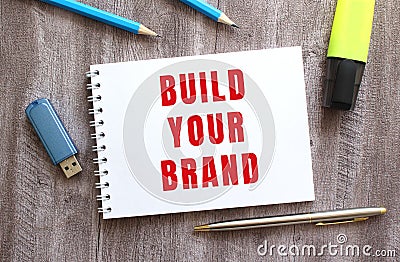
[201,132]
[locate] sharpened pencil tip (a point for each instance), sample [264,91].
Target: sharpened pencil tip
[202,228]
[235,25]
[145,31]
[158,36]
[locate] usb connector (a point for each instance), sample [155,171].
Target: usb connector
[53,135]
[70,166]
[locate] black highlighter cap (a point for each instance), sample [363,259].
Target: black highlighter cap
[348,52]
[342,83]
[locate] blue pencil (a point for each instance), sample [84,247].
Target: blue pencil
[210,11]
[102,16]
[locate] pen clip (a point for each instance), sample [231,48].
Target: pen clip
[357,219]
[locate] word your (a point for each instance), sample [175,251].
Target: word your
[195,128]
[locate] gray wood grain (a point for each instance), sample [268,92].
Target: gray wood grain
[44,52]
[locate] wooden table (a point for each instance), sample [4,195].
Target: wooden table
[44,52]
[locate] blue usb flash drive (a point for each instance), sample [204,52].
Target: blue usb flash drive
[53,135]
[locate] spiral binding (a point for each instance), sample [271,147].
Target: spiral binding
[95,111]
[102,185]
[94,98]
[98,148]
[90,74]
[103,172]
[103,197]
[92,86]
[97,136]
[96,123]
[104,209]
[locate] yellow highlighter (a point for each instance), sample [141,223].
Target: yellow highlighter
[348,52]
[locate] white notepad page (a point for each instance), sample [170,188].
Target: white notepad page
[203,132]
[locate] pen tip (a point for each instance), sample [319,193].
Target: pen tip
[383,210]
[235,25]
[202,228]
[158,36]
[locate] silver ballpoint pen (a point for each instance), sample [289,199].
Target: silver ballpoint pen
[319,218]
